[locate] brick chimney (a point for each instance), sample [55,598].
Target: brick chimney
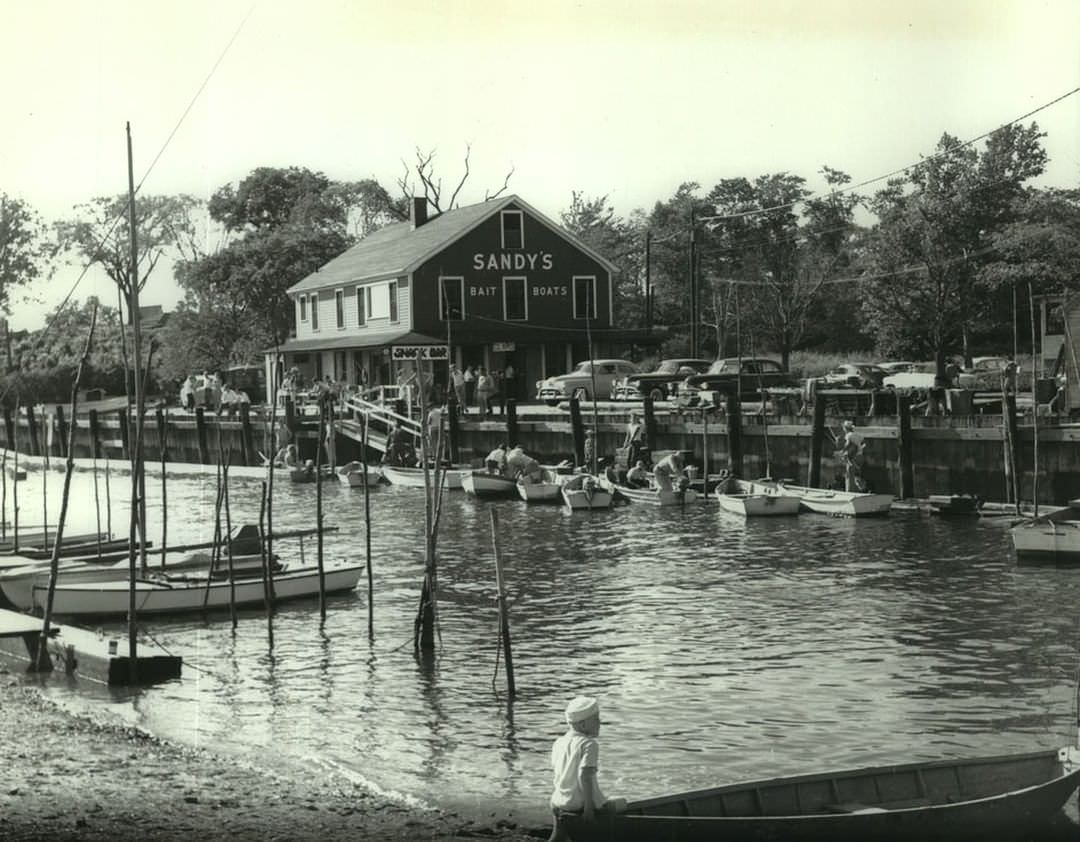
[418,215]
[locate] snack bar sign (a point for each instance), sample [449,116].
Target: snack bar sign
[420,352]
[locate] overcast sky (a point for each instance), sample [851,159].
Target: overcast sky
[627,98]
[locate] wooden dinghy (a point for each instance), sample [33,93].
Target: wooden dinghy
[178,594]
[414,477]
[1051,538]
[119,546]
[1007,797]
[838,503]
[585,492]
[750,499]
[547,490]
[354,476]
[35,539]
[651,495]
[483,484]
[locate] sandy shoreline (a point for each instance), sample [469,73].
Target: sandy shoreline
[69,778]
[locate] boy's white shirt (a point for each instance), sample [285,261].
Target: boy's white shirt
[570,754]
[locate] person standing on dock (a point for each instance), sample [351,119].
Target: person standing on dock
[457,380]
[575,761]
[635,439]
[483,392]
[852,456]
[470,387]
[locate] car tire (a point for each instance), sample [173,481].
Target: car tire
[581,393]
[657,395]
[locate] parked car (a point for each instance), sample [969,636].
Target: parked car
[916,376]
[895,366]
[751,373]
[654,384]
[855,375]
[985,373]
[579,382]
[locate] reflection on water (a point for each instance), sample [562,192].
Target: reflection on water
[721,650]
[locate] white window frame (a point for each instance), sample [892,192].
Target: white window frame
[302,299]
[361,307]
[591,278]
[502,227]
[339,308]
[313,305]
[525,297]
[461,279]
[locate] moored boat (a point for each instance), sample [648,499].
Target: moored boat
[652,495]
[353,475]
[1005,797]
[954,504]
[750,499]
[1051,538]
[36,539]
[547,490]
[483,484]
[175,594]
[584,491]
[837,503]
[414,477]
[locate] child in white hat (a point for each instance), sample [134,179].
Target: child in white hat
[575,758]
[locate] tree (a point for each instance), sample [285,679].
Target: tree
[424,171]
[24,248]
[925,291]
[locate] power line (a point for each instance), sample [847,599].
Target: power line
[944,152]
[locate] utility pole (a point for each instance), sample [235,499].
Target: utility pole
[648,282]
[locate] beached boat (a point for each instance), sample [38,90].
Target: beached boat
[354,475]
[414,477]
[836,503]
[1051,538]
[17,585]
[1006,797]
[180,593]
[483,484]
[584,491]
[547,490]
[750,499]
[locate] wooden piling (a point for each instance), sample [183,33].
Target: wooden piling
[95,434]
[229,547]
[1013,439]
[32,432]
[511,422]
[817,443]
[200,430]
[578,430]
[907,467]
[504,619]
[650,424]
[319,511]
[454,426]
[62,432]
[247,438]
[163,439]
[367,520]
[266,562]
[125,433]
[9,428]
[734,432]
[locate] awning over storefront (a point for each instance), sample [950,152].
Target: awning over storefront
[339,343]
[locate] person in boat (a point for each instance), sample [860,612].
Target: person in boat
[635,439]
[532,473]
[588,451]
[516,462]
[496,460]
[308,468]
[575,761]
[851,454]
[668,471]
[637,476]
[287,457]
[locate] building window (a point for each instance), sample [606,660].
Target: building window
[303,308]
[515,303]
[361,307]
[392,288]
[315,311]
[451,299]
[339,307]
[584,297]
[513,229]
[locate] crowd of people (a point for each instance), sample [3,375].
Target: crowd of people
[211,391]
[484,390]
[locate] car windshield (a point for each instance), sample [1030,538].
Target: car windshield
[583,367]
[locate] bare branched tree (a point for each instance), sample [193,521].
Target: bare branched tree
[424,171]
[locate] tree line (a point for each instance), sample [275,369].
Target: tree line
[941,260]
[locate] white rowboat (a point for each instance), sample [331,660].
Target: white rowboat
[414,477]
[352,475]
[836,503]
[548,490]
[1053,538]
[755,499]
[483,484]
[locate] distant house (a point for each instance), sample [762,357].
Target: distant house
[495,284]
[152,317]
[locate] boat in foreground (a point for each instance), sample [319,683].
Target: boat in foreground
[483,484]
[176,594]
[836,503]
[650,494]
[1051,538]
[1006,797]
[584,491]
[750,499]
[353,475]
[547,490]
[414,477]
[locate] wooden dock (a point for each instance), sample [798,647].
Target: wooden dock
[81,653]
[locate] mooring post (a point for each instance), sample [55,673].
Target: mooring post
[9,429]
[1013,431]
[290,414]
[32,431]
[578,431]
[125,439]
[650,425]
[504,619]
[200,435]
[62,432]
[907,471]
[817,442]
[247,438]
[159,422]
[452,407]
[95,434]
[734,433]
[511,422]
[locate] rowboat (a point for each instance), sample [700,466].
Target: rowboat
[1006,797]
[1052,538]
[954,504]
[354,475]
[414,477]
[584,491]
[837,503]
[17,585]
[36,538]
[547,490]
[69,550]
[174,594]
[652,496]
[750,499]
[307,473]
[483,484]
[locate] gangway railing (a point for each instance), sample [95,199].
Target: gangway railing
[381,418]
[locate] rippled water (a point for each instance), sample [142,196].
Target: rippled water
[721,649]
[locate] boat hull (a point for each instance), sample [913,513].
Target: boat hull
[481,484]
[759,505]
[354,477]
[540,492]
[838,503]
[1047,542]
[653,496]
[414,477]
[103,599]
[580,499]
[991,798]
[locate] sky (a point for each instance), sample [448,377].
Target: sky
[623,98]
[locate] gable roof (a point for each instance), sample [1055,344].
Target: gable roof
[399,249]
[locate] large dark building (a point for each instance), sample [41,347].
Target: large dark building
[492,284]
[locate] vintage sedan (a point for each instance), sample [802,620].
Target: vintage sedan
[749,374]
[579,382]
[654,384]
[855,375]
[985,373]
